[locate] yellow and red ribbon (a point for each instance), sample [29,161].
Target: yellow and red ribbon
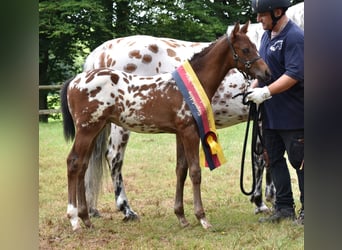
[211,154]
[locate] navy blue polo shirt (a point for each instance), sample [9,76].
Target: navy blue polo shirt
[284,54]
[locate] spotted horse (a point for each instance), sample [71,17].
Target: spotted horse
[148,104]
[147,55]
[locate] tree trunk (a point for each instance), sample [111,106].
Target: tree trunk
[122,21]
[43,78]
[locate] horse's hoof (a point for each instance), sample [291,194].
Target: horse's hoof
[75,223]
[270,199]
[183,222]
[88,224]
[262,209]
[205,224]
[131,217]
[76,227]
[93,212]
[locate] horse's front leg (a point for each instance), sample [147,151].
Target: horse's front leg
[181,173]
[191,150]
[115,155]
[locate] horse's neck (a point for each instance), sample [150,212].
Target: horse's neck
[214,65]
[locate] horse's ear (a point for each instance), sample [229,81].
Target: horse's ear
[244,28]
[235,30]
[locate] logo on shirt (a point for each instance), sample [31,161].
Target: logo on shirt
[278,45]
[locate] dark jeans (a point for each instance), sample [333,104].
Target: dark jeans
[276,143]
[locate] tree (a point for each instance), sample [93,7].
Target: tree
[187,20]
[70,29]
[66,29]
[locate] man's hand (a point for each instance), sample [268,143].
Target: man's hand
[258,95]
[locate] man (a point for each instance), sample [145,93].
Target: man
[282,48]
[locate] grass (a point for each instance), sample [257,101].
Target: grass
[149,176]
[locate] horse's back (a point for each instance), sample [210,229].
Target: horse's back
[127,100]
[148,55]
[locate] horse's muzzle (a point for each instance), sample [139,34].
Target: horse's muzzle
[265,77]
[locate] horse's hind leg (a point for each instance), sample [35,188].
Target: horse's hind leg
[181,172]
[77,162]
[76,202]
[270,190]
[115,154]
[256,197]
[73,169]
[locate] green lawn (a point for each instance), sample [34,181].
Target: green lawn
[149,176]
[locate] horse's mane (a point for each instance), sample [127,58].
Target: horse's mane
[204,51]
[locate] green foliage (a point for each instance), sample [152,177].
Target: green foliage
[65,28]
[53,101]
[186,20]
[70,29]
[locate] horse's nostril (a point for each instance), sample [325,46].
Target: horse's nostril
[267,75]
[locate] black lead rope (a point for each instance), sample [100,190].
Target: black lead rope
[254,114]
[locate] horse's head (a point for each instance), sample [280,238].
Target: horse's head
[246,54]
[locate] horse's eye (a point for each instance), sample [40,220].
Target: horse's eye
[245,51]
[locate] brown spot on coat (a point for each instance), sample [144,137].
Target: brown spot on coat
[153,48]
[102,60]
[89,76]
[171,44]
[109,62]
[130,67]
[78,80]
[134,54]
[94,92]
[103,73]
[171,52]
[147,59]
[114,78]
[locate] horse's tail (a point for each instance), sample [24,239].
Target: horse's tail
[68,123]
[96,166]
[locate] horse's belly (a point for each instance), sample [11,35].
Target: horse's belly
[228,113]
[140,123]
[229,110]
[154,116]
